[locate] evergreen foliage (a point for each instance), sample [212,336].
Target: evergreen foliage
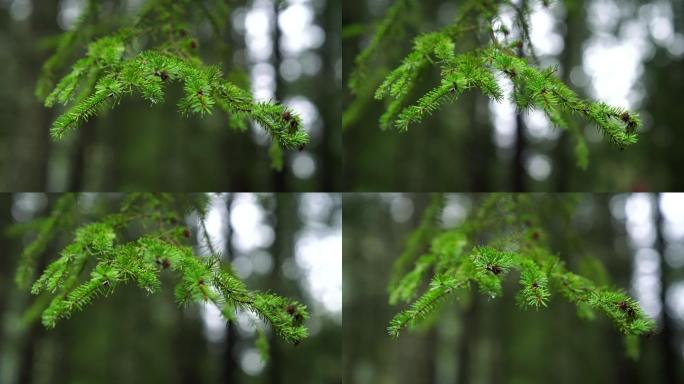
[47,230]
[146,55]
[502,237]
[101,257]
[484,68]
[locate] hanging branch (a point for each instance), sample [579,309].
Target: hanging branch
[145,57]
[480,68]
[99,259]
[516,242]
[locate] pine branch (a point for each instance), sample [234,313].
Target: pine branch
[548,93]
[445,252]
[535,286]
[441,286]
[46,231]
[515,243]
[476,68]
[65,46]
[120,67]
[101,248]
[393,18]
[418,239]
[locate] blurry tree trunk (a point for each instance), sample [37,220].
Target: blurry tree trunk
[518,157]
[333,110]
[520,146]
[669,355]
[470,319]
[27,357]
[31,140]
[422,352]
[86,135]
[31,340]
[428,362]
[115,142]
[276,249]
[189,348]
[479,150]
[240,176]
[570,57]
[432,342]
[5,267]
[432,338]
[229,363]
[279,180]
[625,370]
[561,163]
[284,227]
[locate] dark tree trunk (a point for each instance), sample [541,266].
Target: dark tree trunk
[86,135]
[189,349]
[27,357]
[519,174]
[276,249]
[470,320]
[669,354]
[229,363]
[32,339]
[561,163]
[284,228]
[279,180]
[575,35]
[28,170]
[431,350]
[331,113]
[5,260]
[479,148]
[519,156]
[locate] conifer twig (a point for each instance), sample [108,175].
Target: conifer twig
[462,70]
[515,242]
[100,248]
[147,55]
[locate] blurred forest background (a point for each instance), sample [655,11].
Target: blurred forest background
[629,53]
[287,243]
[285,49]
[638,238]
